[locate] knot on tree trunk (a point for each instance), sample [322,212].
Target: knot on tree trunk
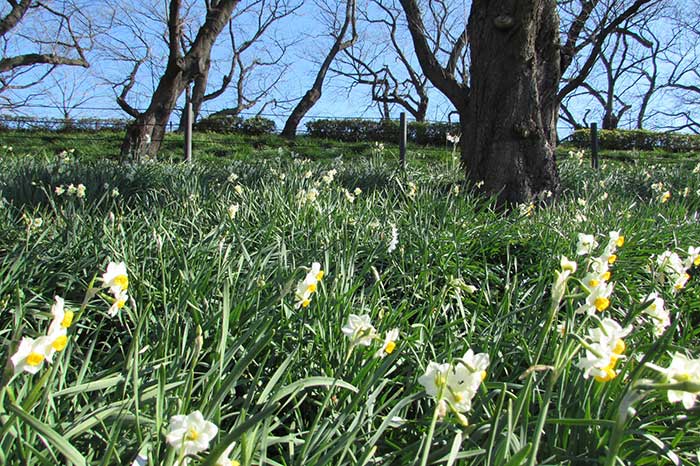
[503,22]
[525,129]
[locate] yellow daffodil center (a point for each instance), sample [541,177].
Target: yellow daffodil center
[319,276]
[612,259]
[601,303]
[619,346]
[696,262]
[593,282]
[34,359]
[122,281]
[440,380]
[60,343]
[683,377]
[483,375]
[192,434]
[620,241]
[305,303]
[609,374]
[606,275]
[67,319]
[311,288]
[389,348]
[458,397]
[680,285]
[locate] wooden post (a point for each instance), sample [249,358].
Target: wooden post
[594,145]
[402,139]
[188,125]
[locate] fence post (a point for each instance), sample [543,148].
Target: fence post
[402,139]
[188,125]
[594,145]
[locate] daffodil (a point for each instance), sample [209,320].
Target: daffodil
[360,330]
[115,278]
[434,380]
[455,383]
[190,434]
[31,354]
[604,347]
[586,243]
[308,286]
[224,458]
[233,210]
[693,257]
[118,303]
[389,343]
[598,298]
[682,370]
[394,241]
[62,318]
[656,311]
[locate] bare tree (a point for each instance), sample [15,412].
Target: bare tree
[36,38]
[67,92]
[366,63]
[340,31]
[251,84]
[508,109]
[185,63]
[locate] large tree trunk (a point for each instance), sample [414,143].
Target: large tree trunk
[145,136]
[509,130]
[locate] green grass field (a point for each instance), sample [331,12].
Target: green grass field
[221,318]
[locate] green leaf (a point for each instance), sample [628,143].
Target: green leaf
[69,451]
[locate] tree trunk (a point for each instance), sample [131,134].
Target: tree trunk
[305,104]
[145,136]
[509,129]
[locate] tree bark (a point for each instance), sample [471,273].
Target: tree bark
[145,136]
[509,130]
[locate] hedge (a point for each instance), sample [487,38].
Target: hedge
[356,130]
[222,122]
[637,140]
[86,125]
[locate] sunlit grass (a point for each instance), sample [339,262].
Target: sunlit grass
[217,320]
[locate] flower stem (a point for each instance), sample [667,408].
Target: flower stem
[431,432]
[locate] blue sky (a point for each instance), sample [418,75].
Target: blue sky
[306,30]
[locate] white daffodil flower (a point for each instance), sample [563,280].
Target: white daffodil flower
[191,433]
[360,330]
[389,343]
[31,354]
[658,313]
[115,278]
[586,244]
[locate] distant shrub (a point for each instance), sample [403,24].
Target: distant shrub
[80,125]
[637,140]
[223,122]
[356,130]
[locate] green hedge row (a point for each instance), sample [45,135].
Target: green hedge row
[71,125]
[637,140]
[355,130]
[223,123]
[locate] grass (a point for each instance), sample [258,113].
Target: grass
[212,323]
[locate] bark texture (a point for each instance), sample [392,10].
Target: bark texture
[509,127]
[144,137]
